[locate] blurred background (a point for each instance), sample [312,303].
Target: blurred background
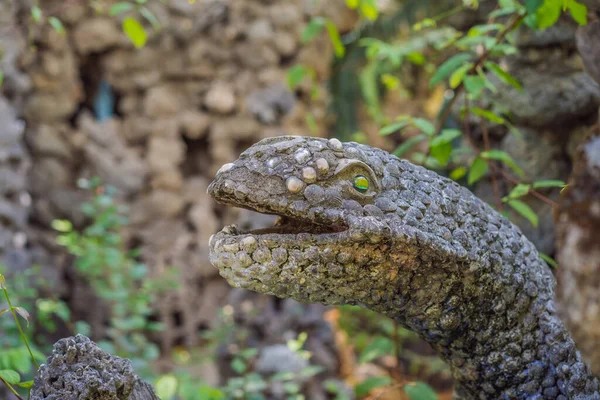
[115,116]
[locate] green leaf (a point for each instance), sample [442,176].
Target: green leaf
[531,6]
[503,156]
[56,24]
[479,30]
[442,153]
[447,136]
[336,40]
[239,365]
[23,313]
[395,127]
[416,58]
[352,4]
[311,371]
[457,76]
[166,386]
[424,24]
[424,126]
[548,13]
[10,376]
[503,75]
[248,353]
[525,211]
[578,11]
[150,17]
[36,13]
[458,173]
[135,32]
[489,115]
[291,387]
[4,311]
[368,8]
[420,391]
[313,29]
[408,144]
[519,191]
[1,77]
[2,282]
[26,384]
[550,183]
[363,388]
[283,376]
[474,84]
[295,75]
[549,260]
[378,347]
[477,171]
[119,8]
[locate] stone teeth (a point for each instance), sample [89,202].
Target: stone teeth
[335,144]
[309,174]
[294,185]
[322,165]
[225,167]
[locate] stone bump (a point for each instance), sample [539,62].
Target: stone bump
[322,166]
[294,185]
[335,144]
[225,168]
[309,174]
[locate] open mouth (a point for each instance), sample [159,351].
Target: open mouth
[290,221]
[290,226]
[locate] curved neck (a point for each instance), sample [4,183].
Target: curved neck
[493,322]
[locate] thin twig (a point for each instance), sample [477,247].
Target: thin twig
[480,61]
[12,389]
[397,344]
[23,337]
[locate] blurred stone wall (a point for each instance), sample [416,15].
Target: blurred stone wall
[155,122]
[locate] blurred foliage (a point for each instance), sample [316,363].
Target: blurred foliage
[374,59]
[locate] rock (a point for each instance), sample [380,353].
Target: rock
[165,154]
[270,104]
[220,99]
[285,15]
[260,31]
[166,204]
[578,253]
[48,141]
[557,98]
[235,128]
[171,180]
[110,157]
[163,100]
[286,44]
[96,35]
[79,370]
[541,156]
[279,358]
[255,56]
[194,124]
[563,33]
[51,107]
[48,173]
[588,44]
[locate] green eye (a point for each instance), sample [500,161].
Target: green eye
[361,183]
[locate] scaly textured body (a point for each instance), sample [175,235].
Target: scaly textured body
[412,245]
